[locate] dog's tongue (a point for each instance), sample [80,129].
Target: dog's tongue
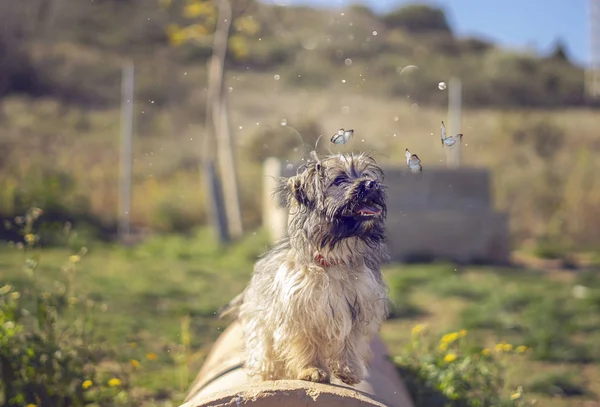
[367,210]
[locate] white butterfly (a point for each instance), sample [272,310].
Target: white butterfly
[413,162]
[449,141]
[342,136]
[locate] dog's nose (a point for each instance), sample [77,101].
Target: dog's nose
[370,184]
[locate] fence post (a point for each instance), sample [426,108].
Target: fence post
[127,96]
[453,154]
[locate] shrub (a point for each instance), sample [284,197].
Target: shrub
[450,372]
[50,354]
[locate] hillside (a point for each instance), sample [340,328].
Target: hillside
[525,115]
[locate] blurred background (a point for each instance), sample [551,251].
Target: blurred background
[140,128]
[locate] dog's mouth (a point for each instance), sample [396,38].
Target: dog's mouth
[367,210]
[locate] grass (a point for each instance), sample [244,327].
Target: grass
[146,291]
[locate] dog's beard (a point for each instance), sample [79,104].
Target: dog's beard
[338,206]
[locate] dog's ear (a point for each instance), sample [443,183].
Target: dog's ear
[291,189]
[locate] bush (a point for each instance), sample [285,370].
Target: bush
[49,352]
[451,373]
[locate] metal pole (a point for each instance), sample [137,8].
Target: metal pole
[127,95]
[453,154]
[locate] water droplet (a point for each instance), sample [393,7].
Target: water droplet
[348,61]
[343,81]
[185,73]
[290,166]
[396,118]
[395,135]
[442,85]
[345,109]
[283,122]
[258,123]
[241,127]
[276,77]
[363,140]
[230,89]
[374,32]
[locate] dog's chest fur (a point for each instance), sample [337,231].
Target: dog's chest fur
[326,304]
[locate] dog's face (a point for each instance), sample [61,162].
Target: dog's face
[338,197]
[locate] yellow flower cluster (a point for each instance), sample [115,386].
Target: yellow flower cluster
[86,384]
[503,347]
[451,337]
[151,356]
[114,382]
[417,329]
[450,357]
[30,238]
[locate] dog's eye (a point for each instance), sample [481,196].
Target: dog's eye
[338,181]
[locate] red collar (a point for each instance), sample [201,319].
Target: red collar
[324,263]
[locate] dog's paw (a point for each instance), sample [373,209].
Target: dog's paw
[314,374]
[346,375]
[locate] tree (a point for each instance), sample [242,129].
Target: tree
[559,53]
[214,20]
[418,19]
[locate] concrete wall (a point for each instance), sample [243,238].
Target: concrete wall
[442,213]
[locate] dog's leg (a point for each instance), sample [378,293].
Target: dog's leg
[305,363]
[350,365]
[259,346]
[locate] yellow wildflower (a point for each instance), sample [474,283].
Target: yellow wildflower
[507,347]
[517,394]
[6,289]
[449,338]
[31,405]
[114,382]
[463,333]
[417,329]
[86,384]
[443,346]
[151,356]
[133,345]
[74,258]
[450,357]
[30,238]
[134,363]
[15,296]
[486,352]
[499,347]
[521,349]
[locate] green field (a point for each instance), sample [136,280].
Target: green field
[145,292]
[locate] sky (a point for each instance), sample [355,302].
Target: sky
[510,23]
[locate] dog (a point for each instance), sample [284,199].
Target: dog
[317,297]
